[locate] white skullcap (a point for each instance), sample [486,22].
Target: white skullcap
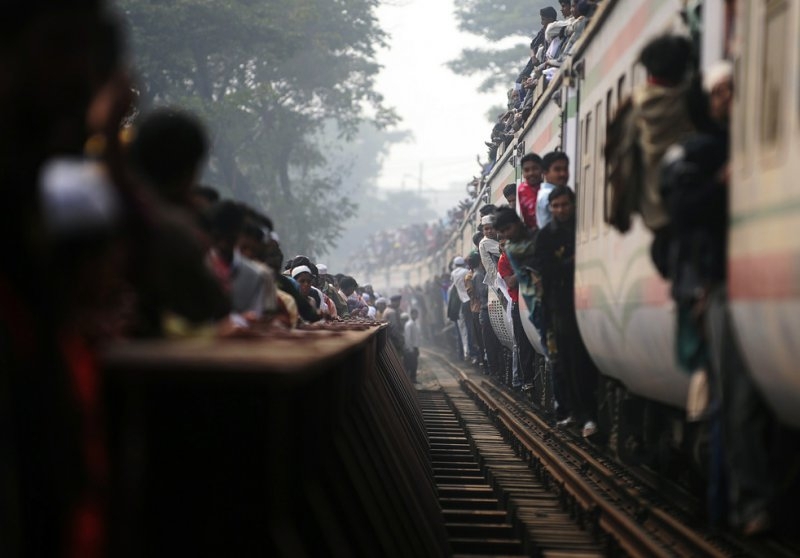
[717,73]
[366,297]
[274,236]
[322,269]
[300,269]
[76,196]
[487,220]
[459,261]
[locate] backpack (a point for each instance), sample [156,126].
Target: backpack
[453,305]
[624,168]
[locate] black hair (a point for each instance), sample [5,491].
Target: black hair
[559,191]
[552,157]
[252,230]
[206,192]
[487,209]
[528,157]
[476,238]
[227,218]
[303,260]
[347,283]
[668,58]
[509,189]
[169,146]
[549,12]
[505,216]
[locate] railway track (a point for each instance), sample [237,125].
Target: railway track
[615,513]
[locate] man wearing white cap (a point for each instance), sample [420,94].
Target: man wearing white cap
[458,276]
[326,286]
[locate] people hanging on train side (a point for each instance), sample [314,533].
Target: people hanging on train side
[326,285]
[555,170]
[457,277]
[554,263]
[474,281]
[515,271]
[489,251]
[694,188]
[380,307]
[528,189]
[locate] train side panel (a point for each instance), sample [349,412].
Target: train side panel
[624,310]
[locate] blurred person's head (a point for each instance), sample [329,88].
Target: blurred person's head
[508,224]
[487,209]
[273,256]
[169,148]
[488,227]
[667,59]
[251,241]
[510,194]
[548,15]
[562,204]
[394,301]
[227,220]
[531,169]
[348,285]
[566,8]
[555,166]
[203,197]
[718,84]
[476,238]
[302,274]
[474,260]
[414,314]
[380,304]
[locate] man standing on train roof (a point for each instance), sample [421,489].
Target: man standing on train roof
[554,262]
[555,166]
[528,189]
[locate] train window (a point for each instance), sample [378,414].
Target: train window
[773,67]
[620,89]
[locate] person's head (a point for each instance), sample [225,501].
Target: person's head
[487,209]
[459,261]
[562,203]
[414,314]
[532,168]
[548,15]
[718,84]
[251,241]
[302,274]
[555,166]
[203,197]
[508,224]
[273,255]
[380,304]
[488,227]
[477,237]
[566,8]
[667,59]
[227,220]
[348,285]
[394,301]
[474,260]
[510,194]
[169,147]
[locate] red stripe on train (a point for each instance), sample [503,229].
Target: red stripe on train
[767,276]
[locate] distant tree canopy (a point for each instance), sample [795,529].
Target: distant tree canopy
[497,21]
[268,77]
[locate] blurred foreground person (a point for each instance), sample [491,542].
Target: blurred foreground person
[58,224]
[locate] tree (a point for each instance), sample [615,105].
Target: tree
[496,21]
[267,75]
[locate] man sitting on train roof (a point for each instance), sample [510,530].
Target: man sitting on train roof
[528,189]
[555,167]
[548,15]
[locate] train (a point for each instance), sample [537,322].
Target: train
[624,310]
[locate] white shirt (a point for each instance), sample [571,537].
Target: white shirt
[543,215]
[487,248]
[457,276]
[412,334]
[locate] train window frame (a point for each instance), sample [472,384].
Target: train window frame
[586,183]
[772,62]
[600,125]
